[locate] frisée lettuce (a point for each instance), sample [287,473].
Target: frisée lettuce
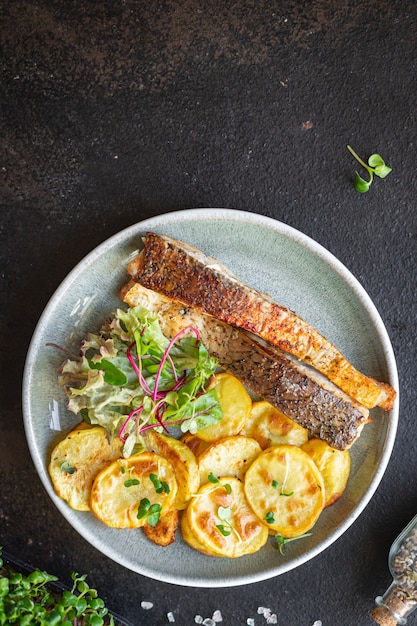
[130,377]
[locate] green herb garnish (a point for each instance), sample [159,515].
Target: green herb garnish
[131,482]
[269,517]
[282,541]
[275,484]
[28,600]
[160,485]
[67,467]
[375,166]
[213,479]
[152,512]
[130,378]
[225,514]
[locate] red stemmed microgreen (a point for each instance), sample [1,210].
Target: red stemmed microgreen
[166,354]
[136,369]
[130,378]
[161,399]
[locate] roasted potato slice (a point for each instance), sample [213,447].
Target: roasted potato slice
[163,534]
[190,538]
[222,521]
[334,466]
[270,427]
[183,462]
[285,489]
[230,456]
[196,445]
[77,459]
[126,488]
[236,404]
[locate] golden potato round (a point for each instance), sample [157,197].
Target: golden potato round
[270,427]
[285,489]
[196,445]
[120,488]
[183,462]
[236,404]
[230,456]
[189,537]
[164,532]
[77,459]
[222,521]
[334,466]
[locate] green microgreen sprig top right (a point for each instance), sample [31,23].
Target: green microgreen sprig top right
[375,166]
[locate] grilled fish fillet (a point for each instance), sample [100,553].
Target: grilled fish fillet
[184,273]
[303,394]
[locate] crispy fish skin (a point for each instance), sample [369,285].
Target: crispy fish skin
[301,393]
[183,272]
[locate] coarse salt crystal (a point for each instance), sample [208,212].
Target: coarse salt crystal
[250,621]
[209,622]
[217,616]
[318,622]
[271,619]
[171,617]
[146,605]
[198,619]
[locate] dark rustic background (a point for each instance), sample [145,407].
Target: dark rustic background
[115,111]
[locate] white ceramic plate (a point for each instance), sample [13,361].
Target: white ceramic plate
[273,258]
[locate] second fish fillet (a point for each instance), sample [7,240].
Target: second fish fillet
[299,392]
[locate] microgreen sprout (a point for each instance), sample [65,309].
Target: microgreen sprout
[270,517]
[131,482]
[225,514]
[282,541]
[275,484]
[160,485]
[67,468]
[29,600]
[375,166]
[213,479]
[152,512]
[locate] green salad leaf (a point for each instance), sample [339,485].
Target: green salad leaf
[130,377]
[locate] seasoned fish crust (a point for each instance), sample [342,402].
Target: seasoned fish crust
[184,273]
[300,392]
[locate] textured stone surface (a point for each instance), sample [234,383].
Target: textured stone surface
[116,111]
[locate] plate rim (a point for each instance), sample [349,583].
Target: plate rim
[153,223]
